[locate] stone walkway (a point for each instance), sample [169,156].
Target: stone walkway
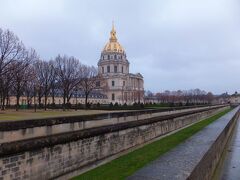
[231,167]
[178,163]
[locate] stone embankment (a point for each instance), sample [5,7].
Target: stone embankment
[51,148]
[196,158]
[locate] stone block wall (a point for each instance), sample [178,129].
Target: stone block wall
[28,129]
[205,169]
[76,151]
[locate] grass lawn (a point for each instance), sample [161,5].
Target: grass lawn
[7,115]
[126,165]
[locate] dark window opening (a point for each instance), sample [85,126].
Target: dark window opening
[98,83]
[108,69]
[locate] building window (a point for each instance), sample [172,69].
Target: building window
[115,56]
[115,69]
[113,83]
[108,57]
[122,69]
[123,83]
[102,69]
[98,83]
[113,97]
[108,69]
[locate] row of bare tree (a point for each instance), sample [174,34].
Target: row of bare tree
[22,72]
[186,96]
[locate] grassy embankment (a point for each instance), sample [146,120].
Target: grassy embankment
[126,165]
[8,115]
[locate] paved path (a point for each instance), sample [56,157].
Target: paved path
[178,163]
[231,166]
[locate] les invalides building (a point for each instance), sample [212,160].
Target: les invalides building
[121,86]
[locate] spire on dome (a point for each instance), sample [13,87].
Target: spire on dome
[113,37]
[113,45]
[113,29]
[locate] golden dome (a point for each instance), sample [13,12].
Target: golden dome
[113,45]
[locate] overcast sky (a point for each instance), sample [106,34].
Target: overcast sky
[174,44]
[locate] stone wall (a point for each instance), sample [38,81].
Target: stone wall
[206,167]
[56,155]
[11,131]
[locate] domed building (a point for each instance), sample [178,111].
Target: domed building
[113,66]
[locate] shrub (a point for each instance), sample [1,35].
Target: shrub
[68,105]
[135,104]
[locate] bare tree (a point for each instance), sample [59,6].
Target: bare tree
[6,87]
[209,97]
[89,81]
[30,84]
[53,83]
[11,50]
[38,65]
[68,76]
[45,75]
[21,73]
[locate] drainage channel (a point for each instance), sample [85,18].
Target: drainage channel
[229,168]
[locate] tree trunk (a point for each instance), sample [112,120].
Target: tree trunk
[17,105]
[64,100]
[39,101]
[35,104]
[45,102]
[8,101]
[86,101]
[3,101]
[53,98]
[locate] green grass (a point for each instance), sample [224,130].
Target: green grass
[7,115]
[126,165]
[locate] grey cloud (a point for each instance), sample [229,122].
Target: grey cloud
[175,44]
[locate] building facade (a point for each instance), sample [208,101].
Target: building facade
[95,97]
[234,98]
[121,86]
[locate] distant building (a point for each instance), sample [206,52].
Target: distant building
[121,86]
[95,97]
[234,98]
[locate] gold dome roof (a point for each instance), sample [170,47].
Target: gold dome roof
[113,45]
